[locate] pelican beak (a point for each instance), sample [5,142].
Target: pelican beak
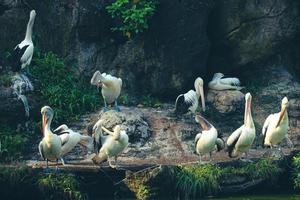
[248,104]
[202,97]
[202,122]
[282,112]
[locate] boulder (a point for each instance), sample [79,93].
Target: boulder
[226,101]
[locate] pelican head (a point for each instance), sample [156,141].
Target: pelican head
[47,115]
[205,125]
[117,129]
[285,102]
[248,99]
[284,105]
[32,14]
[218,76]
[199,91]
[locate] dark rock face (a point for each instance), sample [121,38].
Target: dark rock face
[163,61]
[246,32]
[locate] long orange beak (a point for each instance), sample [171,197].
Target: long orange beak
[44,122]
[282,112]
[202,98]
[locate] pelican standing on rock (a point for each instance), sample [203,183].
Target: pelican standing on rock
[50,146]
[23,52]
[189,101]
[208,139]
[276,126]
[111,88]
[113,145]
[70,139]
[241,139]
[220,83]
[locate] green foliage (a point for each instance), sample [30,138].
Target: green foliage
[58,185]
[197,181]
[149,101]
[5,80]
[133,14]
[68,96]
[296,166]
[12,144]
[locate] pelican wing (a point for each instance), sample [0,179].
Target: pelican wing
[87,141]
[16,55]
[265,127]
[198,136]
[27,54]
[64,138]
[41,150]
[230,81]
[232,140]
[61,129]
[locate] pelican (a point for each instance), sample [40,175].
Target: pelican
[276,126]
[111,88]
[113,145]
[189,101]
[23,52]
[208,139]
[242,138]
[50,146]
[220,83]
[70,139]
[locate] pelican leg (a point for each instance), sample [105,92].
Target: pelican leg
[116,165]
[117,107]
[57,170]
[200,161]
[63,161]
[47,170]
[105,109]
[210,156]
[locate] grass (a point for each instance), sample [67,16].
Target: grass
[13,144]
[202,180]
[59,89]
[56,186]
[296,171]
[150,101]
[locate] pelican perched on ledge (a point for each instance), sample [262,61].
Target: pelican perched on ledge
[220,83]
[208,139]
[241,139]
[50,146]
[23,52]
[70,139]
[111,88]
[276,126]
[190,100]
[112,146]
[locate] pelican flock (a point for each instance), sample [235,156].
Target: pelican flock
[209,139]
[111,88]
[276,126]
[23,52]
[189,101]
[241,139]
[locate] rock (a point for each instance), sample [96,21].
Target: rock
[133,122]
[247,31]
[226,101]
[294,108]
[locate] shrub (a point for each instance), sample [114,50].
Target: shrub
[133,14]
[58,88]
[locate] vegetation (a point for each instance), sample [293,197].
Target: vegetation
[61,185]
[68,96]
[133,15]
[202,180]
[149,101]
[12,144]
[5,80]
[296,174]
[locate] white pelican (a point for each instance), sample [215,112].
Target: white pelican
[190,100]
[276,126]
[70,139]
[242,138]
[23,52]
[220,83]
[113,145]
[50,146]
[208,139]
[111,88]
